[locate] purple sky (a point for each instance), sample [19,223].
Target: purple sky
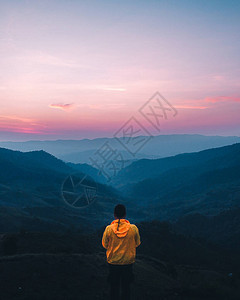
[81,69]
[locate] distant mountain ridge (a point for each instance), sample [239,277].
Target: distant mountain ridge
[79,151]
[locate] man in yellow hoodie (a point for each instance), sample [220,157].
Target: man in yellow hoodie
[120,238]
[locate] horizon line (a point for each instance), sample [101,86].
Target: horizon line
[112,137]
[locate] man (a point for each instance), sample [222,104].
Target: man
[120,238]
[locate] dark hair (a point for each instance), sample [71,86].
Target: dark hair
[120,211]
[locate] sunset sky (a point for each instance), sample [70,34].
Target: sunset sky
[81,69]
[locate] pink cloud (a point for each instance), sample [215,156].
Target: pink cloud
[62,106]
[222,99]
[13,123]
[190,106]
[20,129]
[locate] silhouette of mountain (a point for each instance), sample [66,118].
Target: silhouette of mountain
[211,158]
[31,185]
[206,182]
[19,165]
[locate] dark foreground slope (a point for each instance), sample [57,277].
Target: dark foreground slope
[222,229]
[71,265]
[82,276]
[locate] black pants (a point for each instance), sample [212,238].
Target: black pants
[120,278]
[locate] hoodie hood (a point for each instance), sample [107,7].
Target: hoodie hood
[122,229]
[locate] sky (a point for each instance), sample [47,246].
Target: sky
[81,69]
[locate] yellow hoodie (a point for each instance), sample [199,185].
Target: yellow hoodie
[121,242]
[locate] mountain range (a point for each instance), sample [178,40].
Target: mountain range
[79,151]
[205,182]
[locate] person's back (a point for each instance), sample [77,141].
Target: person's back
[120,238]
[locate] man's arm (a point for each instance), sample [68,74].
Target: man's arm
[137,236]
[105,238]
